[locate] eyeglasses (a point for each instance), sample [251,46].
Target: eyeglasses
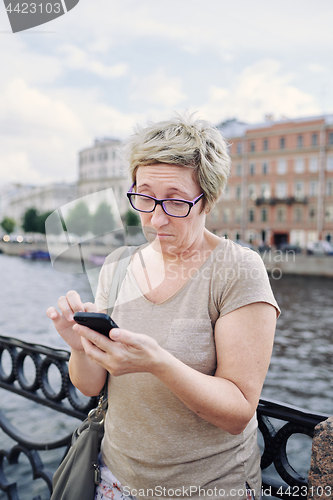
[171,206]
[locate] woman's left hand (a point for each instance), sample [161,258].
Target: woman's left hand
[126,352]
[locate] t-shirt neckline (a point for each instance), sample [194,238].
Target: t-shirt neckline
[189,280]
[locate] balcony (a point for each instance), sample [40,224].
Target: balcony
[288,200]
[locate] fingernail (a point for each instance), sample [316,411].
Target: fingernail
[70,317]
[53,315]
[114,333]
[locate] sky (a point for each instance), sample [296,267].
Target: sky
[107,65]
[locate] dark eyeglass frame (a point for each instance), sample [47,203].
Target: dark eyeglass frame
[190,203]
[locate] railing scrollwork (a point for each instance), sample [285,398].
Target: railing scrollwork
[38,388]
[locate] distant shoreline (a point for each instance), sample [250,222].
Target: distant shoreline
[276,262]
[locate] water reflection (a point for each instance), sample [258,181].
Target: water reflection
[301,368]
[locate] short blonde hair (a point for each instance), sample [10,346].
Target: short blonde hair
[187,142]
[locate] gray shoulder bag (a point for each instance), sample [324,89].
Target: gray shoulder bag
[78,474]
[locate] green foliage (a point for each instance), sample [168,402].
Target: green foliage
[103,220]
[41,222]
[132,218]
[8,224]
[30,221]
[78,220]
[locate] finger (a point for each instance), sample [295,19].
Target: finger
[94,352]
[95,338]
[74,300]
[90,307]
[52,313]
[126,337]
[65,308]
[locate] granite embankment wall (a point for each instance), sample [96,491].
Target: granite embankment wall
[276,262]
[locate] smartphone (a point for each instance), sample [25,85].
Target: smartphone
[101,323]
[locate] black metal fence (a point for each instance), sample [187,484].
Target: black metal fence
[65,399]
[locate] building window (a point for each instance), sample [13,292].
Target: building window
[329,188]
[299,165]
[300,141]
[265,145]
[329,164]
[238,215]
[312,212]
[113,155]
[239,148]
[105,155]
[298,214]
[313,164]
[226,193]
[252,191]
[251,215]
[282,142]
[264,215]
[252,146]
[239,170]
[226,215]
[281,190]
[329,213]
[252,169]
[313,188]
[282,167]
[330,138]
[238,192]
[314,139]
[265,168]
[299,189]
[92,158]
[280,214]
[265,191]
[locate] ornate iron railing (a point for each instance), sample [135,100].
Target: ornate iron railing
[65,399]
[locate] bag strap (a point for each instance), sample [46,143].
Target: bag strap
[117,279]
[118,276]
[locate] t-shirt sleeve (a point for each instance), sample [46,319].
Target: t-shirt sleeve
[244,281]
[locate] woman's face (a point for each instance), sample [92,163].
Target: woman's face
[174,235]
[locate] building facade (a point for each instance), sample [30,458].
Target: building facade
[101,167]
[18,198]
[281,184]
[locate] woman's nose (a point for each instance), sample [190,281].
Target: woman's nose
[159,217]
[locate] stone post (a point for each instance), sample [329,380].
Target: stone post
[321,470]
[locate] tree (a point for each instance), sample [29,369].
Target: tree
[102,221]
[8,224]
[41,221]
[78,220]
[132,218]
[30,221]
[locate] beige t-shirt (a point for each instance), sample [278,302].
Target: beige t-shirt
[153,442]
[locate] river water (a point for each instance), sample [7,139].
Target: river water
[300,372]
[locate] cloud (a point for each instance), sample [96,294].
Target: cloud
[259,89]
[158,88]
[316,68]
[76,58]
[43,130]
[15,166]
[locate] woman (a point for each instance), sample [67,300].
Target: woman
[197,319]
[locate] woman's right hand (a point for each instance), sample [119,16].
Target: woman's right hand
[64,322]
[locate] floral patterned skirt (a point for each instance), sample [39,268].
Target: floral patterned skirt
[111,488]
